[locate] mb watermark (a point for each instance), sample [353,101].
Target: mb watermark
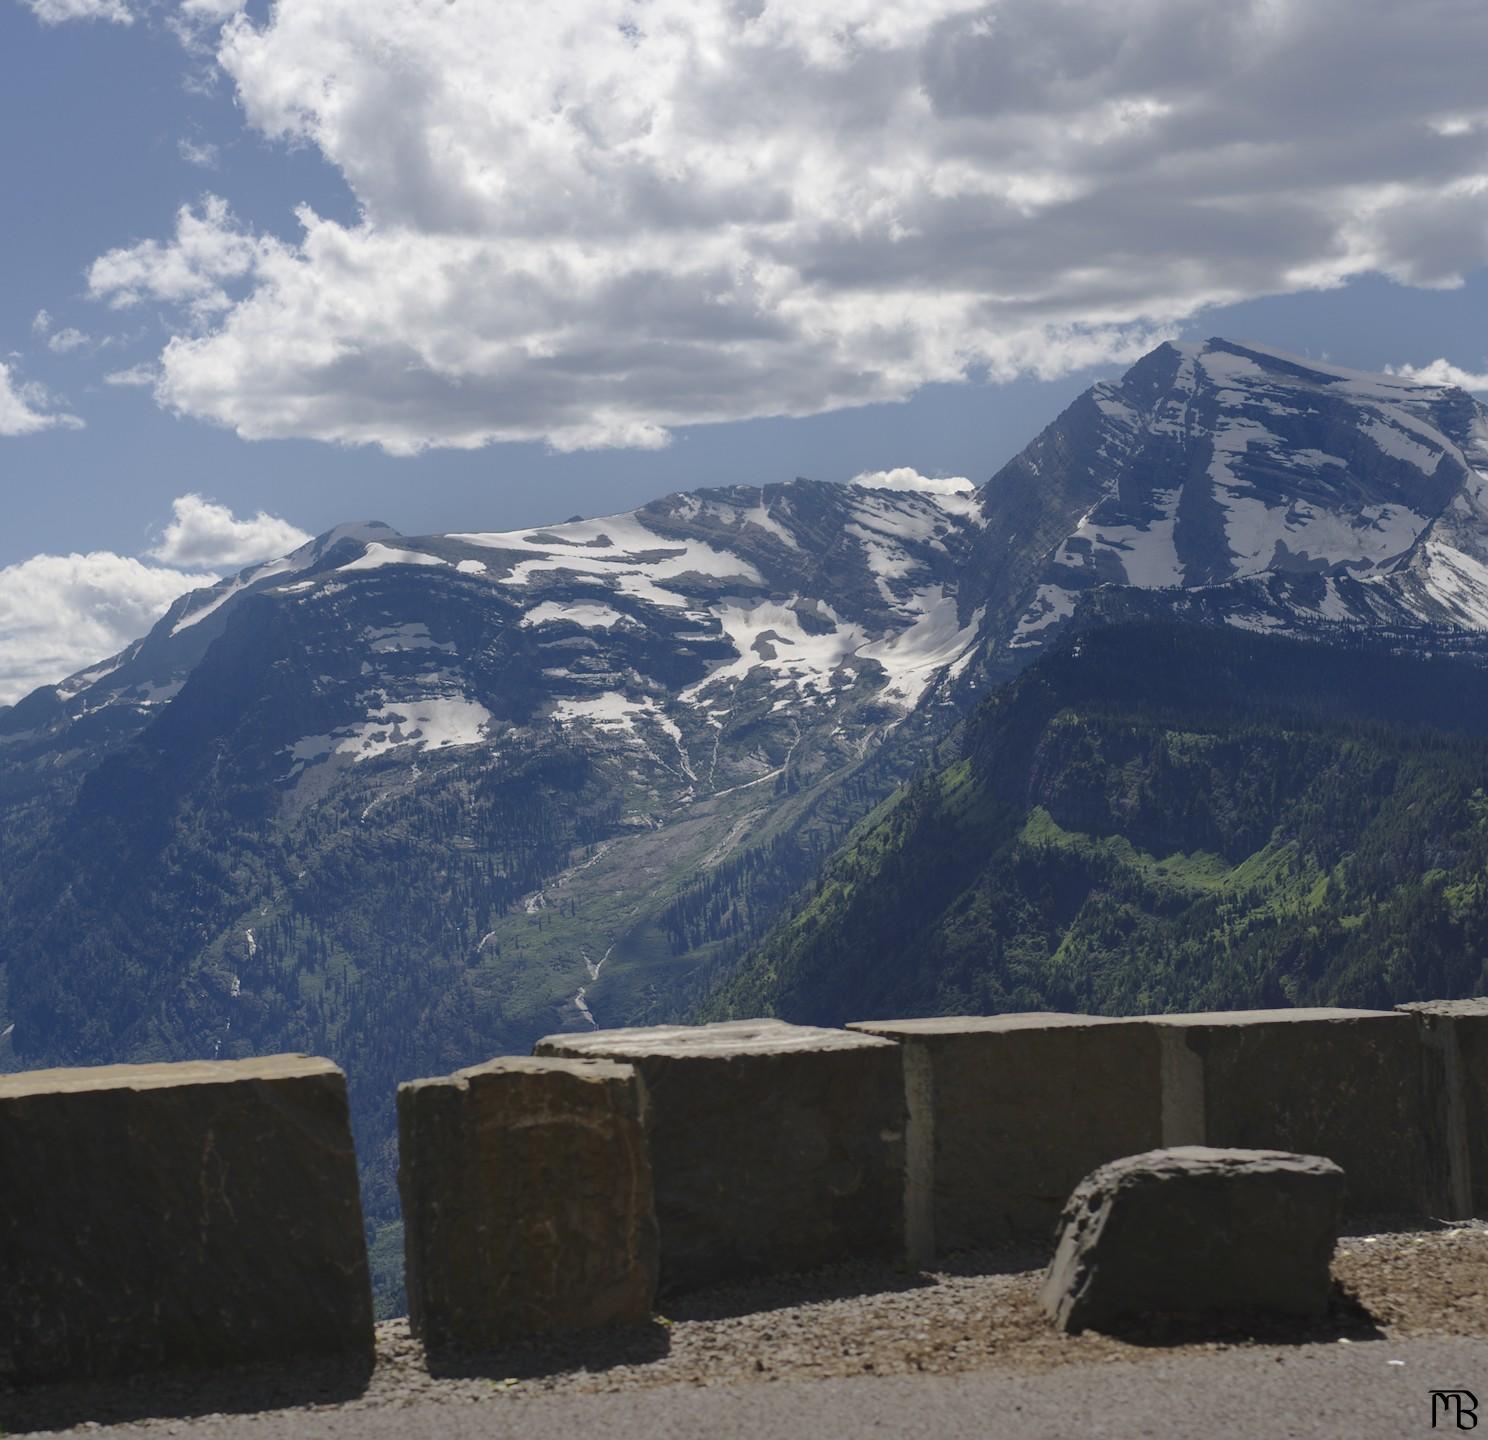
[1458,1406]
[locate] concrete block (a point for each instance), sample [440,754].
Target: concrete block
[1196,1231]
[1346,1084]
[1454,1055]
[774,1147]
[188,1215]
[527,1200]
[1007,1113]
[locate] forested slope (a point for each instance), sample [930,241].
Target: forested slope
[1161,817]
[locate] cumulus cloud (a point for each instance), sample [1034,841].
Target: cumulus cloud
[906,477]
[62,613]
[59,613]
[207,253]
[207,534]
[26,407]
[1440,372]
[593,221]
[55,12]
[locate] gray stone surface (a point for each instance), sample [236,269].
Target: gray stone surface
[1454,1054]
[1007,1113]
[1199,1231]
[1342,1083]
[774,1147]
[188,1215]
[527,1200]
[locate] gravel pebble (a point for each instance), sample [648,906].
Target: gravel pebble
[977,1312]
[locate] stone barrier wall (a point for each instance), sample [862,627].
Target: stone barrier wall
[204,1214]
[1346,1084]
[1454,1056]
[774,1146]
[527,1200]
[1008,1113]
[163,1216]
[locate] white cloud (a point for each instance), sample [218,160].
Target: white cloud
[210,11]
[26,408]
[1440,372]
[199,152]
[907,478]
[59,613]
[591,221]
[207,534]
[41,322]
[55,12]
[66,340]
[207,252]
[137,375]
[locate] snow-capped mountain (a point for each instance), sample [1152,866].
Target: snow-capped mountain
[664,627]
[1242,484]
[1285,492]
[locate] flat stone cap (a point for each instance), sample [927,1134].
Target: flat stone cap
[985,1024]
[1203,1160]
[595,1071]
[163,1076]
[729,1037]
[1270,1017]
[1450,1008]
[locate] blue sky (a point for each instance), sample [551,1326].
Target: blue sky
[849,237]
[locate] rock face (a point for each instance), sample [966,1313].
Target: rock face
[1008,1112]
[191,1215]
[1198,1231]
[527,1200]
[775,1147]
[1294,493]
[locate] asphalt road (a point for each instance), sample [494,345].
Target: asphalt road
[1367,1389]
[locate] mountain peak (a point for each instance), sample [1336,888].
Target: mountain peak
[1221,463]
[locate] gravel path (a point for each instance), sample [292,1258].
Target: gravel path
[863,1326]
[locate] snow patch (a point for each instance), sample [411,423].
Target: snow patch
[404,637]
[1399,446]
[1457,581]
[590,617]
[913,656]
[1147,552]
[431,722]
[377,555]
[618,548]
[1051,604]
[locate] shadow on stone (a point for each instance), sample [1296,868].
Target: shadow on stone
[1346,1318]
[181,1395]
[592,1350]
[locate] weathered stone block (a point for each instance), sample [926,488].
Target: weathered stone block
[1454,1055]
[188,1215]
[774,1146]
[1007,1113]
[1198,1231]
[1342,1083]
[527,1200]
